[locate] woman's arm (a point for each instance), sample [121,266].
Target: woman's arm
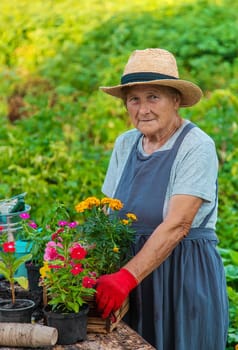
[113,289]
[181,212]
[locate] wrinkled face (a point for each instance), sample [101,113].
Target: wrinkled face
[152,108]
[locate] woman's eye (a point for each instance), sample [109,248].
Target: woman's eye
[133,99]
[153,97]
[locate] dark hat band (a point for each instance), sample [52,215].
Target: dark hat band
[144,76]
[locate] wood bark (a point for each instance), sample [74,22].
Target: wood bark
[27,335]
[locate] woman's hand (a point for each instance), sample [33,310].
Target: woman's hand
[112,290]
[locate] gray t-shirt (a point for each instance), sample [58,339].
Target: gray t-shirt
[194,171]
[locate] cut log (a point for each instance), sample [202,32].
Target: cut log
[27,335]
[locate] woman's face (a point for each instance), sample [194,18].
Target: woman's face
[152,109]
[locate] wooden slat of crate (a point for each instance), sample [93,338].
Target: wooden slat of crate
[97,325]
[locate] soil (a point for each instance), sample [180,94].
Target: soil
[19,303]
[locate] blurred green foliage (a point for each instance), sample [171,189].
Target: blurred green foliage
[58,129]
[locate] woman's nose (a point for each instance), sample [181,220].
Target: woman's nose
[144,107]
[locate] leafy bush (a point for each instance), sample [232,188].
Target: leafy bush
[230,259]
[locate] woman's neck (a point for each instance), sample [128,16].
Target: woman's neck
[152,143]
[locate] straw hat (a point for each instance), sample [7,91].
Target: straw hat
[159,67]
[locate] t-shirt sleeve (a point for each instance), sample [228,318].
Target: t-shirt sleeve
[196,172]
[109,184]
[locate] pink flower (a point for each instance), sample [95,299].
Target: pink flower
[24,216]
[77,268]
[73,224]
[51,252]
[77,252]
[88,282]
[32,224]
[62,223]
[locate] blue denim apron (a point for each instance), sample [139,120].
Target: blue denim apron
[182,305]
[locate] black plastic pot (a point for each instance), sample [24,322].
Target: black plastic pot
[20,312]
[72,327]
[33,275]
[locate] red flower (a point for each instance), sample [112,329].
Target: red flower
[1,228]
[55,266]
[9,247]
[55,235]
[77,252]
[77,268]
[88,282]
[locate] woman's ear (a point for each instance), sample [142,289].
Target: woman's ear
[177,100]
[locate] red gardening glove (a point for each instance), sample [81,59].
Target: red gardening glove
[112,290]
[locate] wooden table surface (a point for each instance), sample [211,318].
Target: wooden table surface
[121,338]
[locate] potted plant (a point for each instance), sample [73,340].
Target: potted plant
[67,280]
[109,237]
[37,235]
[14,310]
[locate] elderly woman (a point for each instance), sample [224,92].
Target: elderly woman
[165,171]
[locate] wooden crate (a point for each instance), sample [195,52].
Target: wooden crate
[97,325]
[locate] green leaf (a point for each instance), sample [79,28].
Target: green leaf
[234,257]
[4,271]
[19,261]
[22,281]
[231,272]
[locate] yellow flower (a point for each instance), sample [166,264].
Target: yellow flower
[99,215]
[88,203]
[131,216]
[92,201]
[106,200]
[236,347]
[44,269]
[115,204]
[81,207]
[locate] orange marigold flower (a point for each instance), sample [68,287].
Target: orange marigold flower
[115,204]
[89,203]
[81,207]
[125,222]
[92,202]
[106,200]
[115,249]
[131,216]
